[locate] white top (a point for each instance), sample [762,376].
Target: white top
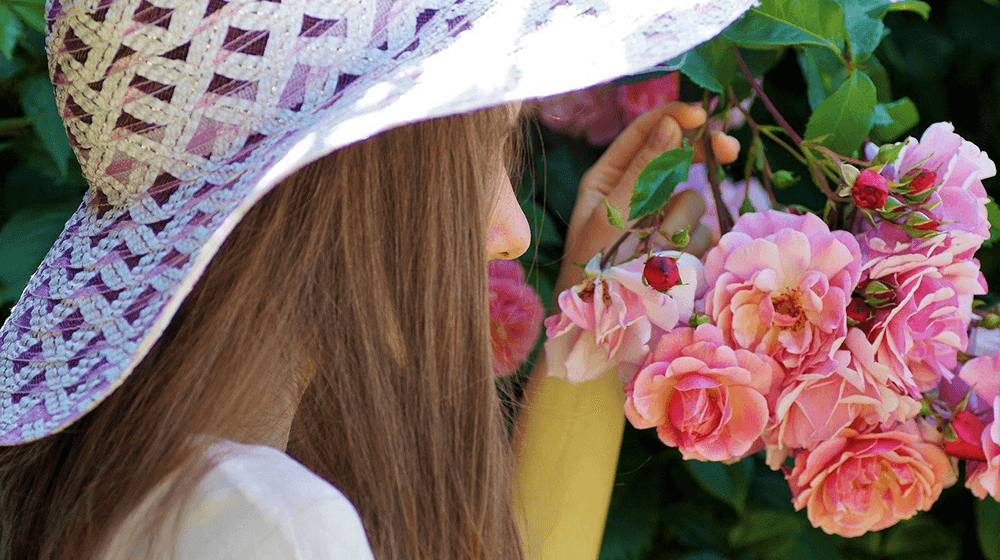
[256,504]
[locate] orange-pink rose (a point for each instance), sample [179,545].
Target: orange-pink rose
[703,397]
[516,314]
[855,483]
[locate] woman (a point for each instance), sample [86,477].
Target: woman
[163,358]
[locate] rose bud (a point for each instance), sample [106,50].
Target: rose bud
[660,273]
[968,430]
[878,294]
[870,190]
[921,222]
[860,314]
[923,182]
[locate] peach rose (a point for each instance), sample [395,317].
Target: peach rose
[609,319]
[703,397]
[855,483]
[779,285]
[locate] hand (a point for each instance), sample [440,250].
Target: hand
[614,175]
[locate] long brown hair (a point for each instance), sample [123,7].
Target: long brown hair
[357,286]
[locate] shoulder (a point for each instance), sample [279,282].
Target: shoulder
[258,502]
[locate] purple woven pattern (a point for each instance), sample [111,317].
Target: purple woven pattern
[169,142]
[184,113]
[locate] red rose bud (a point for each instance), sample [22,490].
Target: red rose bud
[661,273]
[921,222]
[923,182]
[878,294]
[859,314]
[870,190]
[969,430]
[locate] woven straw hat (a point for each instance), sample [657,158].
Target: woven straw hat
[184,113]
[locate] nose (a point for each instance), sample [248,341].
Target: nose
[508,235]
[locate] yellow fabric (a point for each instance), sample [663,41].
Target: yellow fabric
[567,455]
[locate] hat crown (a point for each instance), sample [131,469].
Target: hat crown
[153,92]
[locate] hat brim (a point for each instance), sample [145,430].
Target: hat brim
[116,276]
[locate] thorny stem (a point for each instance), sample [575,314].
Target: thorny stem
[725,219]
[755,130]
[767,101]
[837,157]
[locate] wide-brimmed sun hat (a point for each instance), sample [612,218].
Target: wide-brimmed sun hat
[183,114]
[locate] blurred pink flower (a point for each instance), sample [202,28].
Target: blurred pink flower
[855,483]
[703,397]
[959,166]
[516,314]
[609,319]
[983,477]
[599,113]
[779,284]
[920,335]
[636,98]
[732,195]
[850,389]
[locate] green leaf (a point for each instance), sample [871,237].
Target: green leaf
[863,19]
[892,120]
[39,105]
[728,483]
[846,115]
[712,65]
[823,71]
[783,179]
[32,13]
[988,526]
[887,154]
[25,239]
[922,8]
[921,538]
[779,536]
[703,555]
[880,77]
[615,217]
[10,31]
[779,23]
[635,510]
[657,181]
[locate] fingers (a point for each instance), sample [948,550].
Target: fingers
[702,240]
[683,209]
[725,148]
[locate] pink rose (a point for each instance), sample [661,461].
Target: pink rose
[609,319]
[855,483]
[516,314]
[959,168]
[703,397]
[919,337]
[779,284]
[638,97]
[848,390]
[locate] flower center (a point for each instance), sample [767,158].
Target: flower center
[788,313]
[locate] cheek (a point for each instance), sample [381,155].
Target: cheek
[508,235]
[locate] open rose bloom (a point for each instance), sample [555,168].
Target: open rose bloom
[854,357]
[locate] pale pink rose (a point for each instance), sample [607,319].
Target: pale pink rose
[609,319]
[855,483]
[982,374]
[848,390]
[960,167]
[920,336]
[703,397]
[984,342]
[636,98]
[516,314]
[732,195]
[779,284]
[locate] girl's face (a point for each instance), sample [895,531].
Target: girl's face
[507,236]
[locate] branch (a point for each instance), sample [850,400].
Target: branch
[767,101]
